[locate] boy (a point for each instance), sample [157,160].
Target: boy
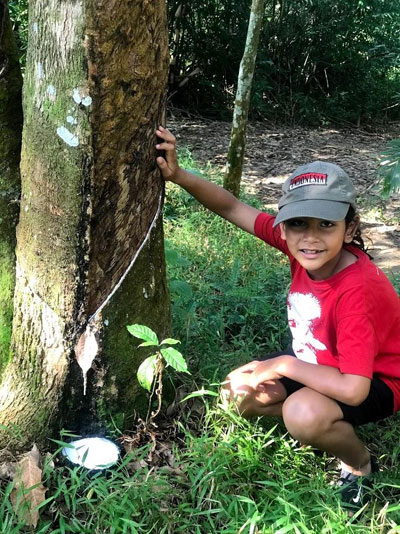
[343,368]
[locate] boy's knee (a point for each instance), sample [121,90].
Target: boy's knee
[243,401]
[303,419]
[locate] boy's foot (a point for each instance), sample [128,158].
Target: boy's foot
[354,488]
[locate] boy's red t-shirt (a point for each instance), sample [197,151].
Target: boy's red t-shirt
[350,321]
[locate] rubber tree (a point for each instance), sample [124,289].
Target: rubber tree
[10,149]
[90,257]
[237,143]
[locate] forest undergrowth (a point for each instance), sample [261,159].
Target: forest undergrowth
[212,471]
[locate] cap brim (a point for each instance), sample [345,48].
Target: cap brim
[328,210]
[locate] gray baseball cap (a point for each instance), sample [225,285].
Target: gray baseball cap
[319,189]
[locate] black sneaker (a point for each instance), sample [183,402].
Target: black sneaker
[354,488]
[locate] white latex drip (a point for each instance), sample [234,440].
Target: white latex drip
[86,351]
[87,347]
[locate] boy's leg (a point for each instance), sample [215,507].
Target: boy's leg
[266,402]
[317,420]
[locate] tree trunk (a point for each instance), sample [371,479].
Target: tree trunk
[10,149]
[94,92]
[239,124]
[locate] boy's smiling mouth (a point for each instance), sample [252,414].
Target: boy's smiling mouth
[310,252]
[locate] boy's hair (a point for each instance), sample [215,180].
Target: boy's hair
[358,241]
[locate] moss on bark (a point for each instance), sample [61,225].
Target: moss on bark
[10,147]
[51,210]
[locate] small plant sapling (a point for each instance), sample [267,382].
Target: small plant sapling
[150,371]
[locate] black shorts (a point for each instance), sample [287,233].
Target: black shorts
[378,405]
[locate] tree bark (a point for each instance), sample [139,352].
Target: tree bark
[10,150]
[94,92]
[245,79]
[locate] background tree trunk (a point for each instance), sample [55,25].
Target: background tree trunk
[239,124]
[10,149]
[93,95]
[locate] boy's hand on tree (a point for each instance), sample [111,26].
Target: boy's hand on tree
[169,165]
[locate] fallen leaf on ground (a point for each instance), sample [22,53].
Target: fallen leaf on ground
[29,491]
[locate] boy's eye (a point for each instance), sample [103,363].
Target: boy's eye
[302,223]
[295,223]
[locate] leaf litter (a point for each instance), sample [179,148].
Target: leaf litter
[29,491]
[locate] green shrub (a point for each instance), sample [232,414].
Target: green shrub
[318,60]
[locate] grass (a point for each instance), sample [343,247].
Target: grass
[225,475]
[236,300]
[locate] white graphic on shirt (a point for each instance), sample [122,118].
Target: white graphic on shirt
[302,310]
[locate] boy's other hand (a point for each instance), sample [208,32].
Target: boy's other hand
[169,165]
[238,381]
[265,371]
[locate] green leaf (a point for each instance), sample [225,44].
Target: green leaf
[175,359]
[169,341]
[181,289]
[200,393]
[63,443]
[174,259]
[389,168]
[145,373]
[143,332]
[148,344]
[172,256]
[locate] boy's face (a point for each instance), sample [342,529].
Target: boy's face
[317,244]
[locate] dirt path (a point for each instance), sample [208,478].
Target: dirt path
[273,153]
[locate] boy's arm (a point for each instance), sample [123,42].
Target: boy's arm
[212,196]
[347,388]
